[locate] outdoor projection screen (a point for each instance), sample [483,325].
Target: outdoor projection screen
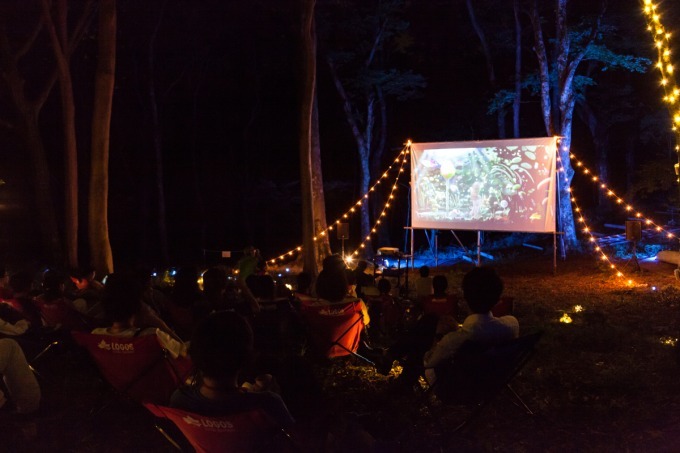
[499,185]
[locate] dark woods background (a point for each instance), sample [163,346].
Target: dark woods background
[205,117]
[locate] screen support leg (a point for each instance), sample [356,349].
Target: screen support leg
[554,253]
[479,248]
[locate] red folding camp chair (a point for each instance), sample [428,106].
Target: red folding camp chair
[504,307]
[239,432]
[441,306]
[58,314]
[335,329]
[137,367]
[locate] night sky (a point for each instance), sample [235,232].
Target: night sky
[227,86]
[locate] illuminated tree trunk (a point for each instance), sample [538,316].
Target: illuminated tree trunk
[323,247]
[557,103]
[364,139]
[308,76]
[100,247]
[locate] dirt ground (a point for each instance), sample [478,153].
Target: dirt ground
[607,381]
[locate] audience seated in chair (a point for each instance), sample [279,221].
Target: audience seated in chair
[23,388]
[5,289]
[361,278]
[22,299]
[123,307]
[57,310]
[423,284]
[332,286]
[183,299]
[482,289]
[384,308]
[416,350]
[440,303]
[222,345]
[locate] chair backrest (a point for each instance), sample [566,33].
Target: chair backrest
[137,367]
[441,306]
[238,432]
[477,371]
[335,329]
[504,307]
[59,314]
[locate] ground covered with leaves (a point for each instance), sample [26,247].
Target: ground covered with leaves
[607,381]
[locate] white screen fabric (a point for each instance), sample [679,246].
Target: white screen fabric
[498,185]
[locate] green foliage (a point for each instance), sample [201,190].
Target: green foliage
[656,180]
[600,53]
[612,60]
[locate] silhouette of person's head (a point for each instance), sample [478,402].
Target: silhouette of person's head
[122,296]
[482,288]
[304,281]
[331,284]
[221,346]
[424,271]
[439,284]
[384,286]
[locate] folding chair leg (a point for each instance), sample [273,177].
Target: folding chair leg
[168,437]
[44,351]
[519,400]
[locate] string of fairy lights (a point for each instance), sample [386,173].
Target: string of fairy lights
[664,64]
[401,159]
[671,97]
[578,165]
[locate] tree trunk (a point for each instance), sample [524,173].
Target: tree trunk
[600,136]
[59,38]
[308,76]
[157,140]
[491,73]
[517,102]
[100,247]
[558,103]
[30,132]
[46,214]
[323,247]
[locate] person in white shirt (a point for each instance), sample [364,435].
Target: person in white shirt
[19,380]
[424,284]
[482,289]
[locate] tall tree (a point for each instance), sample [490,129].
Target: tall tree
[157,140]
[28,94]
[517,101]
[100,246]
[308,88]
[56,19]
[561,86]
[359,38]
[490,68]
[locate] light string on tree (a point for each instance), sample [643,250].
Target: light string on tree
[627,207]
[666,69]
[403,157]
[355,206]
[589,232]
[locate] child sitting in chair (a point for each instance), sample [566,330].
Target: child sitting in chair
[222,345]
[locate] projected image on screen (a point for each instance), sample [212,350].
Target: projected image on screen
[501,185]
